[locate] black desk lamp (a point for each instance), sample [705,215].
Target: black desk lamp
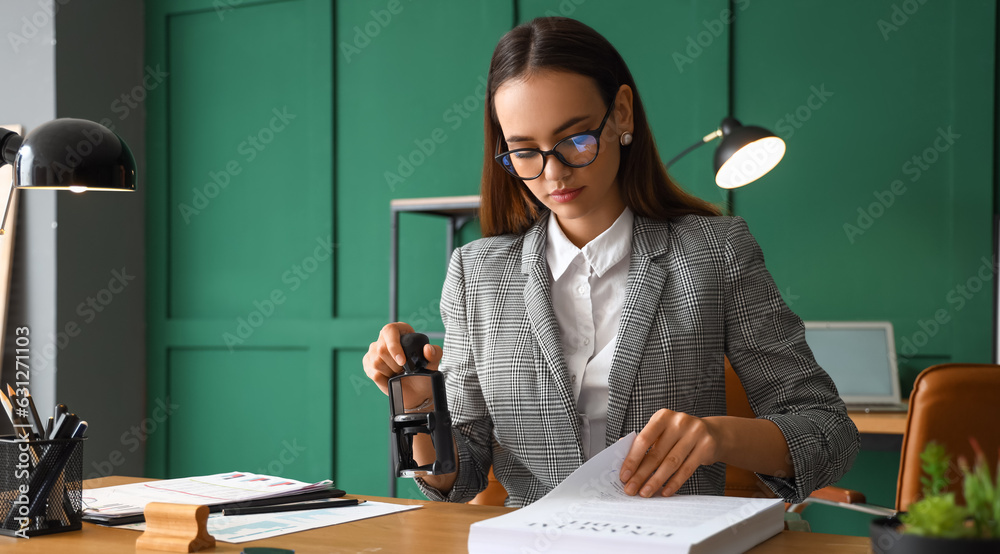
[67,154]
[746,153]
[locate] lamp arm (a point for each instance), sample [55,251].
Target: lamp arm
[704,140]
[10,142]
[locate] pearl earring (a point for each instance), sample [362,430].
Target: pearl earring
[626,138]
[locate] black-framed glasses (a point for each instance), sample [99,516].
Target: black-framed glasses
[579,150]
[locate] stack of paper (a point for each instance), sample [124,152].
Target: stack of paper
[590,512]
[210,490]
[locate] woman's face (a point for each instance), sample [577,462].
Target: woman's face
[542,108]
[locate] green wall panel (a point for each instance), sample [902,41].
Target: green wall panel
[882,206]
[249,161]
[263,411]
[361,417]
[878,210]
[415,90]
[240,225]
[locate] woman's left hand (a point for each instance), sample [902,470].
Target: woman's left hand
[667,451]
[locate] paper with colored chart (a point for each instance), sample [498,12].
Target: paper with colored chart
[208,490]
[236,529]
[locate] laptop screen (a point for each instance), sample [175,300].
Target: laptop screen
[860,358]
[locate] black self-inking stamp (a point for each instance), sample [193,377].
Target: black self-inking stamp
[425,415]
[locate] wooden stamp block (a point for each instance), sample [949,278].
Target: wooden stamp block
[175,528]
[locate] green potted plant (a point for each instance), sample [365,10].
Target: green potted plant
[937,523]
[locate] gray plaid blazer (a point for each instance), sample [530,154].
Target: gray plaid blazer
[697,290]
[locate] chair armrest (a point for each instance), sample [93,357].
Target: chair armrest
[843,498]
[839,495]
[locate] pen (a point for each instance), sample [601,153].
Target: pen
[65,426]
[7,407]
[57,411]
[34,418]
[292,507]
[242,505]
[79,430]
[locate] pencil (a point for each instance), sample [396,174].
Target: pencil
[36,421]
[292,507]
[7,407]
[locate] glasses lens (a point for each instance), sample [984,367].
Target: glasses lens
[578,150]
[526,164]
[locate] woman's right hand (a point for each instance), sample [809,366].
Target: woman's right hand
[385,359]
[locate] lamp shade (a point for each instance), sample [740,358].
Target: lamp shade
[745,153]
[76,155]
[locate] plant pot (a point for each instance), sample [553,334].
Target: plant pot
[886,539]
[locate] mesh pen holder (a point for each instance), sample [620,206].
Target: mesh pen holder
[40,486]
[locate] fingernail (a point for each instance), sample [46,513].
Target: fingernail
[626,474]
[400,359]
[630,489]
[666,492]
[646,491]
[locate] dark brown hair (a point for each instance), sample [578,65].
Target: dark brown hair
[560,43]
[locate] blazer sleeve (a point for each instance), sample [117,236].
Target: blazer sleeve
[472,426]
[765,343]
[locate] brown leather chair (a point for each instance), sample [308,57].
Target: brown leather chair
[949,404]
[493,495]
[745,483]
[739,481]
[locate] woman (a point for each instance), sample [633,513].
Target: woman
[603,301]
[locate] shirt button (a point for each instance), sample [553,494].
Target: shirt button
[573,378]
[586,341]
[581,290]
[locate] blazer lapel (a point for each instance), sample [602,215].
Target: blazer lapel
[644,286]
[538,304]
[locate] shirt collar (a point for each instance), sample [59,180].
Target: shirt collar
[601,254]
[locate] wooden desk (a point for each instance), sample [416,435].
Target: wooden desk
[886,423]
[438,527]
[880,430]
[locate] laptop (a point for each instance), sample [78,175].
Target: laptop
[860,357]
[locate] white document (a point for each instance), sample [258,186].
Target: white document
[590,512]
[222,488]
[237,529]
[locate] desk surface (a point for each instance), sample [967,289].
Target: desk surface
[438,527]
[884,423]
